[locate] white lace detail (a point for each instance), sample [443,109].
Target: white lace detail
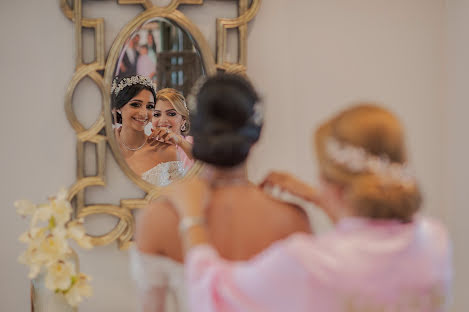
[153,271]
[164,173]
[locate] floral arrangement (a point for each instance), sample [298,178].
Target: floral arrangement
[48,250]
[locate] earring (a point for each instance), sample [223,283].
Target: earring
[183,127]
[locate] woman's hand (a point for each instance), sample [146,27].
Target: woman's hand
[291,184]
[164,135]
[157,139]
[189,198]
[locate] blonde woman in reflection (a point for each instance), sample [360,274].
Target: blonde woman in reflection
[381,255]
[171,124]
[133,104]
[225,126]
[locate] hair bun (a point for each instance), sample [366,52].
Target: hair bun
[225,150]
[223,126]
[371,196]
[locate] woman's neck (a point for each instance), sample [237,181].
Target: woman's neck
[216,175]
[343,211]
[132,138]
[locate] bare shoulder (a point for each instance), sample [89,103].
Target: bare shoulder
[156,231]
[291,218]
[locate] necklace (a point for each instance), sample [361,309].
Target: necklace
[133,148]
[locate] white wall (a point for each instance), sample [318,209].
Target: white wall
[38,147]
[308,59]
[457,175]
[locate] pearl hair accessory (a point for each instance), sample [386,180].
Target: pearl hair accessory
[258,116]
[357,160]
[127,82]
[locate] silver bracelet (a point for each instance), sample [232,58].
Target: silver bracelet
[189,222]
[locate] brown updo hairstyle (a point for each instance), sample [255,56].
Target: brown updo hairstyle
[379,133]
[177,100]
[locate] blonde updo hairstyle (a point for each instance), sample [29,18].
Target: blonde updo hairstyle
[379,133]
[177,100]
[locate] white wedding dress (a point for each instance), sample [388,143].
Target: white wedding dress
[164,173]
[152,272]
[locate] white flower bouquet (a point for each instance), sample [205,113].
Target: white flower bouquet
[48,250]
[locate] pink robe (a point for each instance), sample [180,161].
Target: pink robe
[361,265]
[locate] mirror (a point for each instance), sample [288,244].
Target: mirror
[155,71]
[179,34]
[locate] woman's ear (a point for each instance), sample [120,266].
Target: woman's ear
[183,127]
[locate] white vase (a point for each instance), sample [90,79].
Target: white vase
[46,300]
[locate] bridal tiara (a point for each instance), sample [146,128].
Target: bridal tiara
[127,82]
[357,160]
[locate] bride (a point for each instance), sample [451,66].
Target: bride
[133,104]
[226,124]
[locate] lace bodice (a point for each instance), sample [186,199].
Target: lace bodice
[164,173]
[151,272]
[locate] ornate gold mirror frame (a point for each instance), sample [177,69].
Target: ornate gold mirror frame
[101,70]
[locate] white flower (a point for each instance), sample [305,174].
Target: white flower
[61,211]
[62,194]
[25,237]
[52,249]
[60,232]
[34,270]
[79,289]
[59,275]
[25,207]
[76,231]
[42,251]
[32,255]
[29,257]
[47,246]
[42,213]
[34,235]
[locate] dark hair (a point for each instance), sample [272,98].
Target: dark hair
[224,125]
[153,45]
[125,95]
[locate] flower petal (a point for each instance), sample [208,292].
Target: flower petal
[25,207]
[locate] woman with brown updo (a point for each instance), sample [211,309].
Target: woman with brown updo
[226,125]
[381,256]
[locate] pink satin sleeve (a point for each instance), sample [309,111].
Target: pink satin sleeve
[361,265]
[261,284]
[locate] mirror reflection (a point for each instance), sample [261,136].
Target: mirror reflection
[155,72]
